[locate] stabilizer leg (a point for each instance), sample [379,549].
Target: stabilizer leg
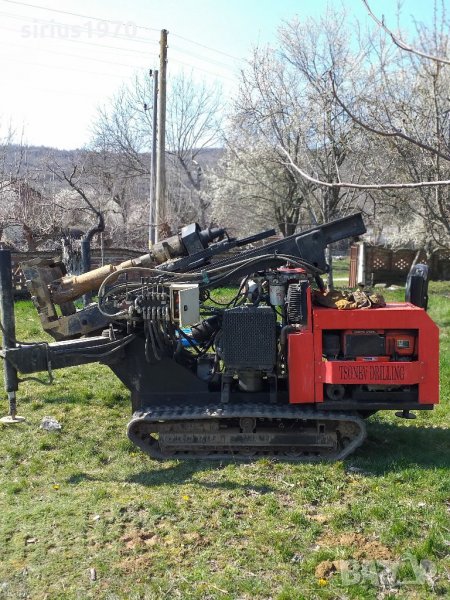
[8,328]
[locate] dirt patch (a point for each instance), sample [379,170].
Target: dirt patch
[144,541]
[326,568]
[364,547]
[373,550]
[139,564]
[139,539]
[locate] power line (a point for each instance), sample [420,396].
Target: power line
[141,52]
[204,46]
[144,53]
[118,48]
[202,58]
[66,68]
[197,68]
[173,60]
[65,12]
[81,57]
[77,28]
[72,14]
[63,92]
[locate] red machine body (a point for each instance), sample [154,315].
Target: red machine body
[400,363]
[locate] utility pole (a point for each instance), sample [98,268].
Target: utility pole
[160,204]
[152,211]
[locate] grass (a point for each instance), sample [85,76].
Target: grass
[86,515]
[341,269]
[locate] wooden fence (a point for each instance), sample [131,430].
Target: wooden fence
[374,264]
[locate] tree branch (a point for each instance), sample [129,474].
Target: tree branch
[400,43]
[391,134]
[359,186]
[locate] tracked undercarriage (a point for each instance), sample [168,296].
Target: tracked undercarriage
[245,432]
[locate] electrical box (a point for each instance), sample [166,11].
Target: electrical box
[184,303]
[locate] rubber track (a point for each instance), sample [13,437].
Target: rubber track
[233,411]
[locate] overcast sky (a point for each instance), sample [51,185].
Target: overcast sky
[58,65]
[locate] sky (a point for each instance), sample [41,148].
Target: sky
[61,60]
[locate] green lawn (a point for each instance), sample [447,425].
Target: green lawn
[83,514]
[341,269]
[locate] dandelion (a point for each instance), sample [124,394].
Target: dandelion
[55,486]
[322,582]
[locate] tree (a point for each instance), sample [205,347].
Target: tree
[99,197]
[403,110]
[29,217]
[124,130]
[37,217]
[8,170]
[332,142]
[286,105]
[253,189]
[286,102]
[193,125]
[124,127]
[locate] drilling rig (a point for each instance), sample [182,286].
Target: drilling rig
[272,372]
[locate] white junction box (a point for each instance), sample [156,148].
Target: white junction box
[184,303]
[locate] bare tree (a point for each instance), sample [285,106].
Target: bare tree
[13,152]
[398,41]
[286,105]
[29,217]
[124,127]
[253,189]
[98,198]
[193,125]
[402,109]
[122,196]
[124,130]
[36,217]
[364,186]
[252,178]
[333,143]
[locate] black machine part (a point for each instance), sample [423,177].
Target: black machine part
[417,286]
[195,240]
[360,343]
[249,338]
[8,329]
[245,431]
[205,330]
[331,344]
[306,247]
